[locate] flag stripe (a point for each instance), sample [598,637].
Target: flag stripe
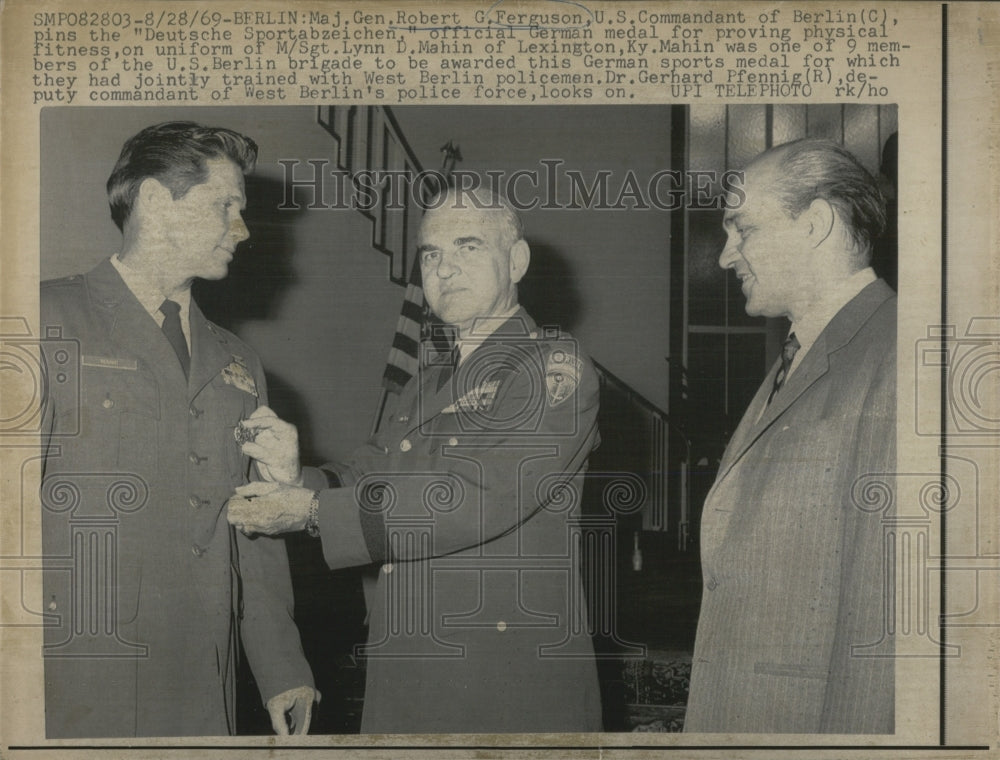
[406,345]
[412,307]
[405,350]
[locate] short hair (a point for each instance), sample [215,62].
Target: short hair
[811,168]
[174,153]
[482,198]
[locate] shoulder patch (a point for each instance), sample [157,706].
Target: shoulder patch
[562,375]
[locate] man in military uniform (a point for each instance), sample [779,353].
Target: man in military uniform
[468,497]
[144,578]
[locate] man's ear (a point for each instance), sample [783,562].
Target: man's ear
[153,195]
[820,217]
[520,257]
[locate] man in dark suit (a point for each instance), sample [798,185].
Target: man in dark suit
[792,563]
[467,497]
[146,582]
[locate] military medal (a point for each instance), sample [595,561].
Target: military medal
[237,375]
[243,434]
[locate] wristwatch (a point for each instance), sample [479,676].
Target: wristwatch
[312,522]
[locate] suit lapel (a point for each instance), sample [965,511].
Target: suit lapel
[128,324]
[842,328]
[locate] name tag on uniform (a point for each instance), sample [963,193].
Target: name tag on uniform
[236,374]
[109,362]
[479,399]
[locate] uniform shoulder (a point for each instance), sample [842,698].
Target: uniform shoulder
[62,296]
[62,284]
[553,340]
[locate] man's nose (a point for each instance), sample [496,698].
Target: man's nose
[447,266]
[239,230]
[729,255]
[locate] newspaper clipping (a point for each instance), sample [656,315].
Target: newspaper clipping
[499,379]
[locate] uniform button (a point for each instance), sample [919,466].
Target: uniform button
[107,403]
[194,411]
[193,458]
[501,626]
[404,418]
[405,445]
[385,449]
[197,550]
[194,501]
[712,584]
[387,568]
[453,442]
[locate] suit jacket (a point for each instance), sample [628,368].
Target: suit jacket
[144,579]
[468,496]
[792,563]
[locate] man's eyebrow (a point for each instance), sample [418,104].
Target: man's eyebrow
[423,247]
[470,239]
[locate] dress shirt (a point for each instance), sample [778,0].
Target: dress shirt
[150,296]
[808,328]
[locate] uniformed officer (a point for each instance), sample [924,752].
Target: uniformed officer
[467,497]
[144,578]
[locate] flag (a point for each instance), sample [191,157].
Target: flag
[404,354]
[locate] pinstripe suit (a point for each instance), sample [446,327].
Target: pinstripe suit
[792,567]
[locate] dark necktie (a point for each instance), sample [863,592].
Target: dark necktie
[788,352]
[172,329]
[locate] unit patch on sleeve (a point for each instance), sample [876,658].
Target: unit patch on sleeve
[562,375]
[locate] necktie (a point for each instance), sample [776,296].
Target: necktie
[788,352]
[172,329]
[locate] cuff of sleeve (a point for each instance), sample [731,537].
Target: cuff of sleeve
[340,529]
[318,478]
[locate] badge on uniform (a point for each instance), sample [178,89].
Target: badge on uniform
[479,399]
[237,375]
[109,362]
[562,376]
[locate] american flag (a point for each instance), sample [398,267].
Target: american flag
[405,350]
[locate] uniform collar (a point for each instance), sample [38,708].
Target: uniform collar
[150,296]
[483,329]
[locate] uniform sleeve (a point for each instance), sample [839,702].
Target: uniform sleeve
[471,488]
[270,637]
[860,690]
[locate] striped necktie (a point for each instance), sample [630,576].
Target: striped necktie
[788,352]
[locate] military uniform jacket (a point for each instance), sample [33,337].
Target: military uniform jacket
[468,496]
[143,578]
[792,635]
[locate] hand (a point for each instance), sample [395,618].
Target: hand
[292,709]
[269,508]
[275,447]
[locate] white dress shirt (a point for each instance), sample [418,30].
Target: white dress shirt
[808,328]
[151,296]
